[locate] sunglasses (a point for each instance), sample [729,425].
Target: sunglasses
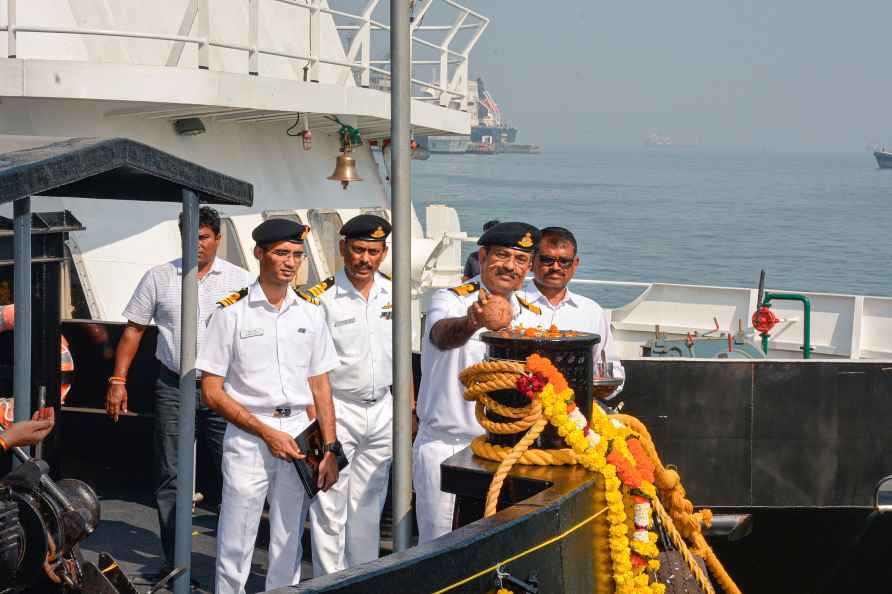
[564,263]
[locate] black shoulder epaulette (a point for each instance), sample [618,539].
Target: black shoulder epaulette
[307,297]
[230,299]
[319,288]
[533,308]
[385,275]
[466,289]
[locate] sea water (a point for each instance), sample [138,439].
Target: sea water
[815,222]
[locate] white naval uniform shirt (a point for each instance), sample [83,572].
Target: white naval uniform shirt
[266,354]
[442,409]
[158,296]
[363,337]
[575,312]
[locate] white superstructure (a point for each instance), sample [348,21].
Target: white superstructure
[248,69]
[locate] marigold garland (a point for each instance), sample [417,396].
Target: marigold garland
[625,456]
[606,447]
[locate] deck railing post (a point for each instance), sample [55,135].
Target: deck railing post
[10,31]
[315,39]
[204,34]
[445,96]
[365,50]
[253,33]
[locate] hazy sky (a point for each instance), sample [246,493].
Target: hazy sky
[781,74]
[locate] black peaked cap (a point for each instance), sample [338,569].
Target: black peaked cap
[277,229]
[517,236]
[366,227]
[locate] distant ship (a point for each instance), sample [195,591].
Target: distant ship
[657,141]
[526,149]
[489,134]
[445,144]
[884,158]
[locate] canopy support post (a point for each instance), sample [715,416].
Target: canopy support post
[22,299]
[188,348]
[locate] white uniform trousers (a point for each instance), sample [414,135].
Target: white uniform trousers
[345,521]
[251,475]
[433,507]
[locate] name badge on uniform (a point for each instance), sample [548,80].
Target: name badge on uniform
[387,311]
[301,330]
[250,333]
[340,323]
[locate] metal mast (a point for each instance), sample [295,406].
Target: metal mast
[400,47]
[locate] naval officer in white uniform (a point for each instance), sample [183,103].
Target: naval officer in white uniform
[554,264]
[265,359]
[450,344]
[357,306]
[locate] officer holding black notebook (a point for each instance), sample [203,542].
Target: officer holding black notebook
[265,359]
[357,304]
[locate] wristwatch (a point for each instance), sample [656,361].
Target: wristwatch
[333,447]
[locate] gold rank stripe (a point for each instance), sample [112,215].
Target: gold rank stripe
[230,299]
[533,308]
[307,297]
[317,289]
[465,289]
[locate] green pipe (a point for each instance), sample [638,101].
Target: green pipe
[806,332]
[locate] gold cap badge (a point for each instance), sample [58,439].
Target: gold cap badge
[526,241]
[303,234]
[378,233]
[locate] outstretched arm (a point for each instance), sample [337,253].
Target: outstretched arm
[451,333]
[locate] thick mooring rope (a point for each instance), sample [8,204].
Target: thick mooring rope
[681,510]
[680,520]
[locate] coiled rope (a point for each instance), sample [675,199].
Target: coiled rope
[681,522]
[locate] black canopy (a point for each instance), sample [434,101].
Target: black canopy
[115,168]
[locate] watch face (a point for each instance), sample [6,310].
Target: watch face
[334,448]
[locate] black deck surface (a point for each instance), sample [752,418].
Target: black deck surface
[129,532]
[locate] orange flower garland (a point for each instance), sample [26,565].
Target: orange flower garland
[613,451]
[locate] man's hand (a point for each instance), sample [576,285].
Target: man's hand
[33,431]
[116,401]
[328,471]
[475,312]
[281,445]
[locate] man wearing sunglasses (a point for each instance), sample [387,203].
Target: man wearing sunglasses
[554,264]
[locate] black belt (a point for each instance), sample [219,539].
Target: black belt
[174,377]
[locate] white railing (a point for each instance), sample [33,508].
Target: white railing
[448,54]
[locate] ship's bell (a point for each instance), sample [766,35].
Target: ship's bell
[345,171]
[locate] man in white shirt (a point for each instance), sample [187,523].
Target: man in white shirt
[554,264]
[266,359]
[357,306]
[450,344]
[158,298]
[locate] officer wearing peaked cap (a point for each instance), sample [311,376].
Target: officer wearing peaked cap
[357,306]
[277,229]
[265,361]
[450,343]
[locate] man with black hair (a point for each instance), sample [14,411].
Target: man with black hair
[472,264]
[554,264]
[266,362]
[158,297]
[450,343]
